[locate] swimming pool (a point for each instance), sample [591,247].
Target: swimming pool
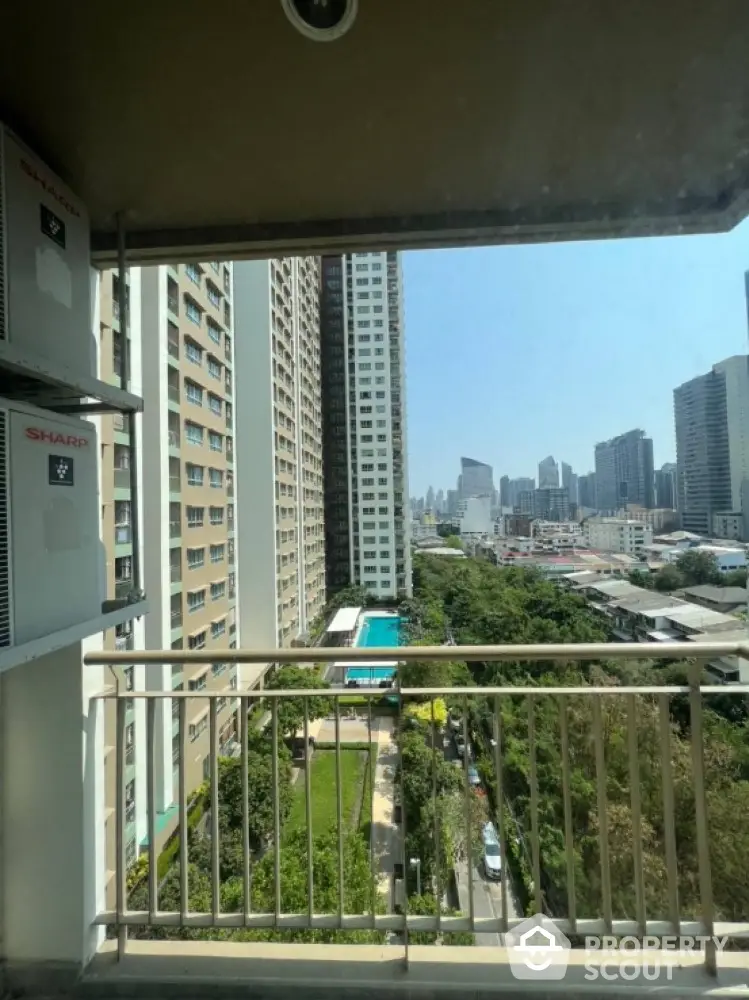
[380,630]
[369,673]
[377,630]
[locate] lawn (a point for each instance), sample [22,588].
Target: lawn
[324,794]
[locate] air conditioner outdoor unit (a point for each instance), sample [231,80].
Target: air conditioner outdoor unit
[52,563]
[45,262]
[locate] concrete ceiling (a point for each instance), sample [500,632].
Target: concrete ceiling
[218,129]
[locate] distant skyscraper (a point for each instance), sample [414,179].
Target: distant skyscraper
[504,492]
[451,502]
[665,486]
[548,473]
[551,503]
[523,484]
[439,501]
[712,446]
[569,482]
[430,498]
[586,490]
[476,478]
[624,471]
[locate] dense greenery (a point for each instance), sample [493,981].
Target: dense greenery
[690,569]
[484,604]
[291,710]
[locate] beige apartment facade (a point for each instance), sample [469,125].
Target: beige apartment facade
[181,341]
[281,554]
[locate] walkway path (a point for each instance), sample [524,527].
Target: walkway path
[385,839]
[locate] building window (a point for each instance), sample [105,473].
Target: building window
[198,728]
[214,296]
[195,517]
[215,441]
[193,392]
[214,331]
[214,367]
[196,641]
[198,683]
[218,628]
[216,477]
[217,554]
[195,558]
[218,590]
[214,402]
[192,311]
[195,600]
[193,272]
[194,474]
[217,515]
[193,432]
[193,352]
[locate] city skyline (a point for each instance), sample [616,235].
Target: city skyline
[670,308]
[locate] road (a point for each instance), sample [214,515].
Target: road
[487,899]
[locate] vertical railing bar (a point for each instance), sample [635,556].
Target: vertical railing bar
[153,875]
[215,836]
[569,843]
[372,763]
[276,814]
[120,821]
[339,807]
[437,865]
[636,806]
[184,860]
[669,832]
[244,737]
[535,842]
[500,808]
[603,822]
[467,803]
[701,817]
[399,752]
[308,814]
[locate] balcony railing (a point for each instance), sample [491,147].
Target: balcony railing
[122,588]
[514,768]
[175,529]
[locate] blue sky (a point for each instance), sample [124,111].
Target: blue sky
[514,353]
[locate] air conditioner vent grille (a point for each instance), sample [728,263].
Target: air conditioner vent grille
[5,595]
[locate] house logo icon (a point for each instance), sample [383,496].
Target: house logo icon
[537,949]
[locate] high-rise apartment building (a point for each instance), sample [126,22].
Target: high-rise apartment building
[624,471]
[548,473]
[180,344]
[504,492]
[364,423]
[586,490]
[665,486]
[281,549]
[711,415]
[476,479]
[570,482]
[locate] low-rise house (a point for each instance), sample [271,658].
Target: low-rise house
[726,599]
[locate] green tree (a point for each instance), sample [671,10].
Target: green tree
[736,578]
[453,542]
[640,578]
[668,578]
[291,710]
[260,795]
[698,567]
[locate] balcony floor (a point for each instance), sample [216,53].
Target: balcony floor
[201,968]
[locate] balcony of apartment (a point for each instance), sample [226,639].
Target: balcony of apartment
[164,929]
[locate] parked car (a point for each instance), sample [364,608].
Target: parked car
[460,743]
[454,722]
[473,776]
[492,853]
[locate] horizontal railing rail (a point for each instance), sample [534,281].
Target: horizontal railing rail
[387,782]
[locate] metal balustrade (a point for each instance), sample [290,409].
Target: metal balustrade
[387,917]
